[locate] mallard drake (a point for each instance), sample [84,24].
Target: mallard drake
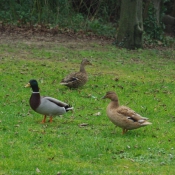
[78,79]
[123,116]
[46,105]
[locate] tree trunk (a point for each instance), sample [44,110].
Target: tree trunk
[169,22]
[131,25]
[156,4]
[145,11]
[173,12]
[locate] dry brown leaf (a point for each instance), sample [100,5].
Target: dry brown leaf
[37,170]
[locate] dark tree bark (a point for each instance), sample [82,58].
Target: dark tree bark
[156,4]
[145,11]
[169,22]
[173,12]
[130,25]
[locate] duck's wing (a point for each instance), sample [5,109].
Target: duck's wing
[55,101]
[131,114]
[70,78]
[74,77]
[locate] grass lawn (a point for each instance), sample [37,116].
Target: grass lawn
[143,79]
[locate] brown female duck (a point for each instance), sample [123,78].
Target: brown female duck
[78,79]
[47,106]
[123,116]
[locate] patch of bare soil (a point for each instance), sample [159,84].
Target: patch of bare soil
[43,36]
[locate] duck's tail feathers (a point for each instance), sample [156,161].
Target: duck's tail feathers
[146,123]
[63,83]
[69,108]
[69,80]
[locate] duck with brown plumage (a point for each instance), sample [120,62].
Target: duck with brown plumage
[123,116]
[77,79]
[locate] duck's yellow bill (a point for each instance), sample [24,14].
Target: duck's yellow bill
[27,85]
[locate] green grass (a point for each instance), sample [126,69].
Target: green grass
[146,84]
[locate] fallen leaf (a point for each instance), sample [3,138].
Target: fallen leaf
[51,158]
[125,166]
[97,114]
[116,79]
[132,160]
[83,124]
[37,170]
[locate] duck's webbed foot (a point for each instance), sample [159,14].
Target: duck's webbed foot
[124,131]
